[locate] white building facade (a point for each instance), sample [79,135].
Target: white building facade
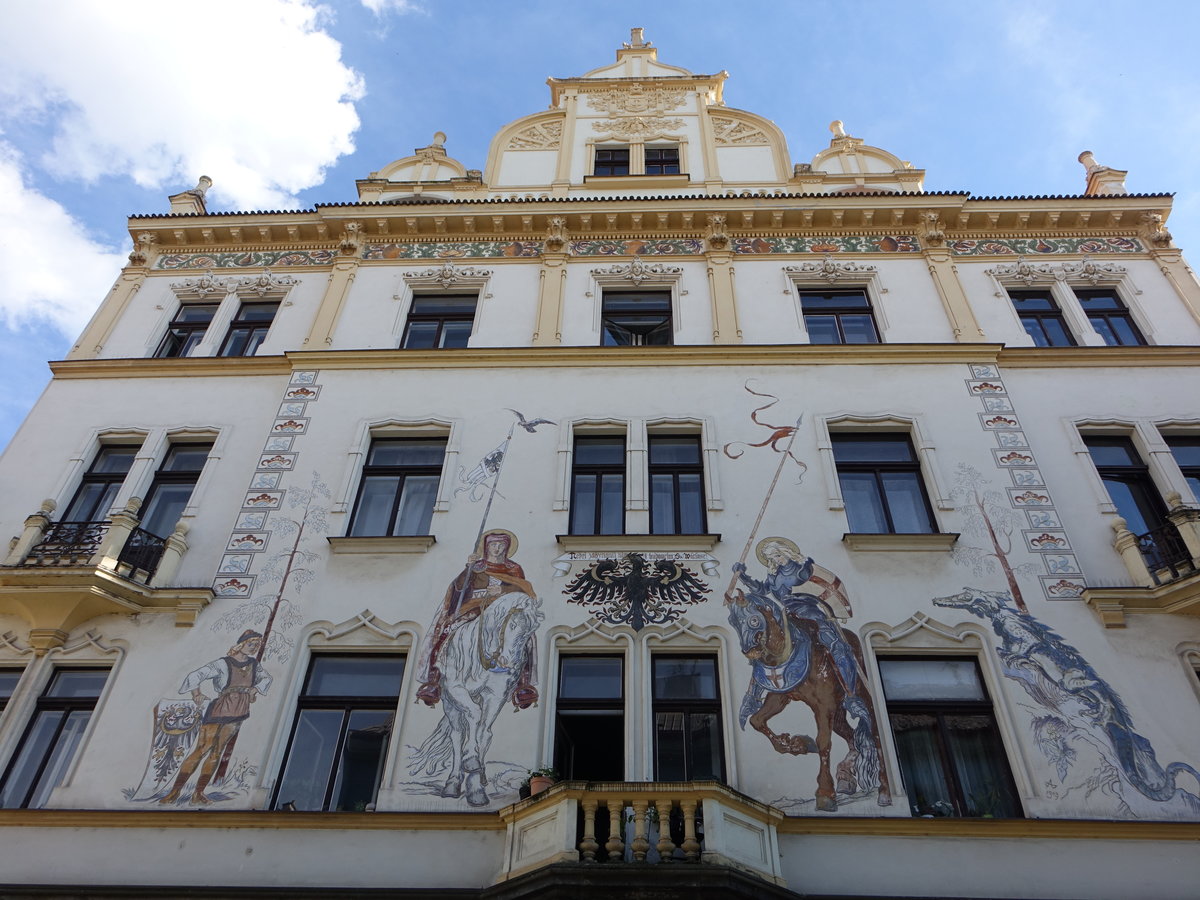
[824,534]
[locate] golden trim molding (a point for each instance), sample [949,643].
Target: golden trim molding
[1092,357]
[273,820]
[194,367]
[1008,829]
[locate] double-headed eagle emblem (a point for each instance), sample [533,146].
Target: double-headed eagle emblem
[635,592]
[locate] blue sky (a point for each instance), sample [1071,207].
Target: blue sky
[284,103]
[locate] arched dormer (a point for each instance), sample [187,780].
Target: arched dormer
[525,153]
[746,148]
[410,175]
[850,165]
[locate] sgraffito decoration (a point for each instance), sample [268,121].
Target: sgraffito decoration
[453,250]
[633,591]
[1026,506]
[849,243]
[1026,246]
[480,654]
[789,628]
[245,259]
[659,247]
[1076,715]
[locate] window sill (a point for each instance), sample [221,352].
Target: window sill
[637,181]
[417,543]
[616,542]
[900,542]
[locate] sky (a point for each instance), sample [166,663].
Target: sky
[109,106]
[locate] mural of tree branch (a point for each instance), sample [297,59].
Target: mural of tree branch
[986,513]
[290,569]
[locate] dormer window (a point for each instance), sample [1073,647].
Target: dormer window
[614,161]
[662,160]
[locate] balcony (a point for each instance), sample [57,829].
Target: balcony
[60,574]
[615,825]
[1164,564]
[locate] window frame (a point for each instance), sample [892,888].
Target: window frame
[665,328]
[666,156]
[836,313]
[114,480]
[254,329]
[194,333]
[403,472]
[878,468]
[618,156]
[441,318]
[1188,471]
[940,708]
[675,470]
[348,704]
[707,706]
[1133,474]
[597,471]
[49,704]
[1083,295]
[164,477]
[1016,295]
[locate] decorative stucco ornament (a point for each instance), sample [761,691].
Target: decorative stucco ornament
[635,99]
[539,136]
[638,271]
[447,275]
[265,284]
[203,286]
[729,131]
[637,125]
[830,269]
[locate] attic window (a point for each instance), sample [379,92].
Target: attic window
[615,161]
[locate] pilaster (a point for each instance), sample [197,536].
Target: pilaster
[345,270]
[98,330]
[944,275]
[726,329]
[1182,278]
[552,279]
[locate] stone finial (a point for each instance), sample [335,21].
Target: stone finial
[838,129]
[636,41]
[439,139]
[1101,180]
[192,201]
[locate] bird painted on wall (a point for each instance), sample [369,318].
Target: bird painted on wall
[529,425]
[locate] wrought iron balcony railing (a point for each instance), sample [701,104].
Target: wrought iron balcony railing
[142,553]
[68,544]
[1166,555]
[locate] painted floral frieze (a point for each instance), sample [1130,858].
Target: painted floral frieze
[1024,246]
[453,250]
[245,259]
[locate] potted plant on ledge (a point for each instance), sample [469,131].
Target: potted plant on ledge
[541,779]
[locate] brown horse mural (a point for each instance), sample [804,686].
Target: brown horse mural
[798,651]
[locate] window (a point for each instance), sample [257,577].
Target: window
[676,485]
[1186,450]
[186,329]
[661,161]
[687,719]
[98,488]
[635,319]
[249,329]
[838,317]
[1110,317]
[52,738]
[172,487]
[8,684]
[1042,319]
[615,161]
[881,484]
[344,720]
[439,322]
[949,748]
[598,485]
[589,728]
[399,486]
[1128,482]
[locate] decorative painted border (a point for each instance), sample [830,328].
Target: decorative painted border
[252,530]
[453,250]
[1045,537]
[850,243]
[1044,246]
[664,247]
[245,259]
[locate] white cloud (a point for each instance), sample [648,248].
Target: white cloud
[379,7]
[50,270]
[250,92]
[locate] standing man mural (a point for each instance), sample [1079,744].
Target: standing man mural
[238,678]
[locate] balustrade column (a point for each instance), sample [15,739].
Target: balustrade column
[614,845]
[172,555]
[1185,521]
[35,527]
[122,524]
[639,843]
[1126,543]
[665,846]
[588,845]
[690,846]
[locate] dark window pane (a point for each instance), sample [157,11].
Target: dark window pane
[612,504]
[8,684]
[674,450]
[186,457]
[1033,302]
[851,301]
[859,329]
[1125,332]
[1136,503]
[822,329]
[704,743]
[919,755]
[257,312]
[37,744]
[450,305]
[977,756]
[864,505]
[195,313]
[1056,332]
[361,762]
[416,505]
[691,504]
[1115,451]
[355,676]
[314,744]
[1033,328]
[876,448]
[421,335]
[60,756]
[590,678]
[583,504]
[1105,331]
[92,501]
[406,453]
[931,679]
[164,507]
[684,678]
[1096,300]
[906,502]
[1186,450]
[600,451]
[114,460]
[77,683]
[653,302]
[375,501]
[455,335]
[670,743]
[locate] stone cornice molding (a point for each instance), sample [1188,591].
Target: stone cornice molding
[203,287]
[634,99]
[832,270]
[447,276]
[637,272]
